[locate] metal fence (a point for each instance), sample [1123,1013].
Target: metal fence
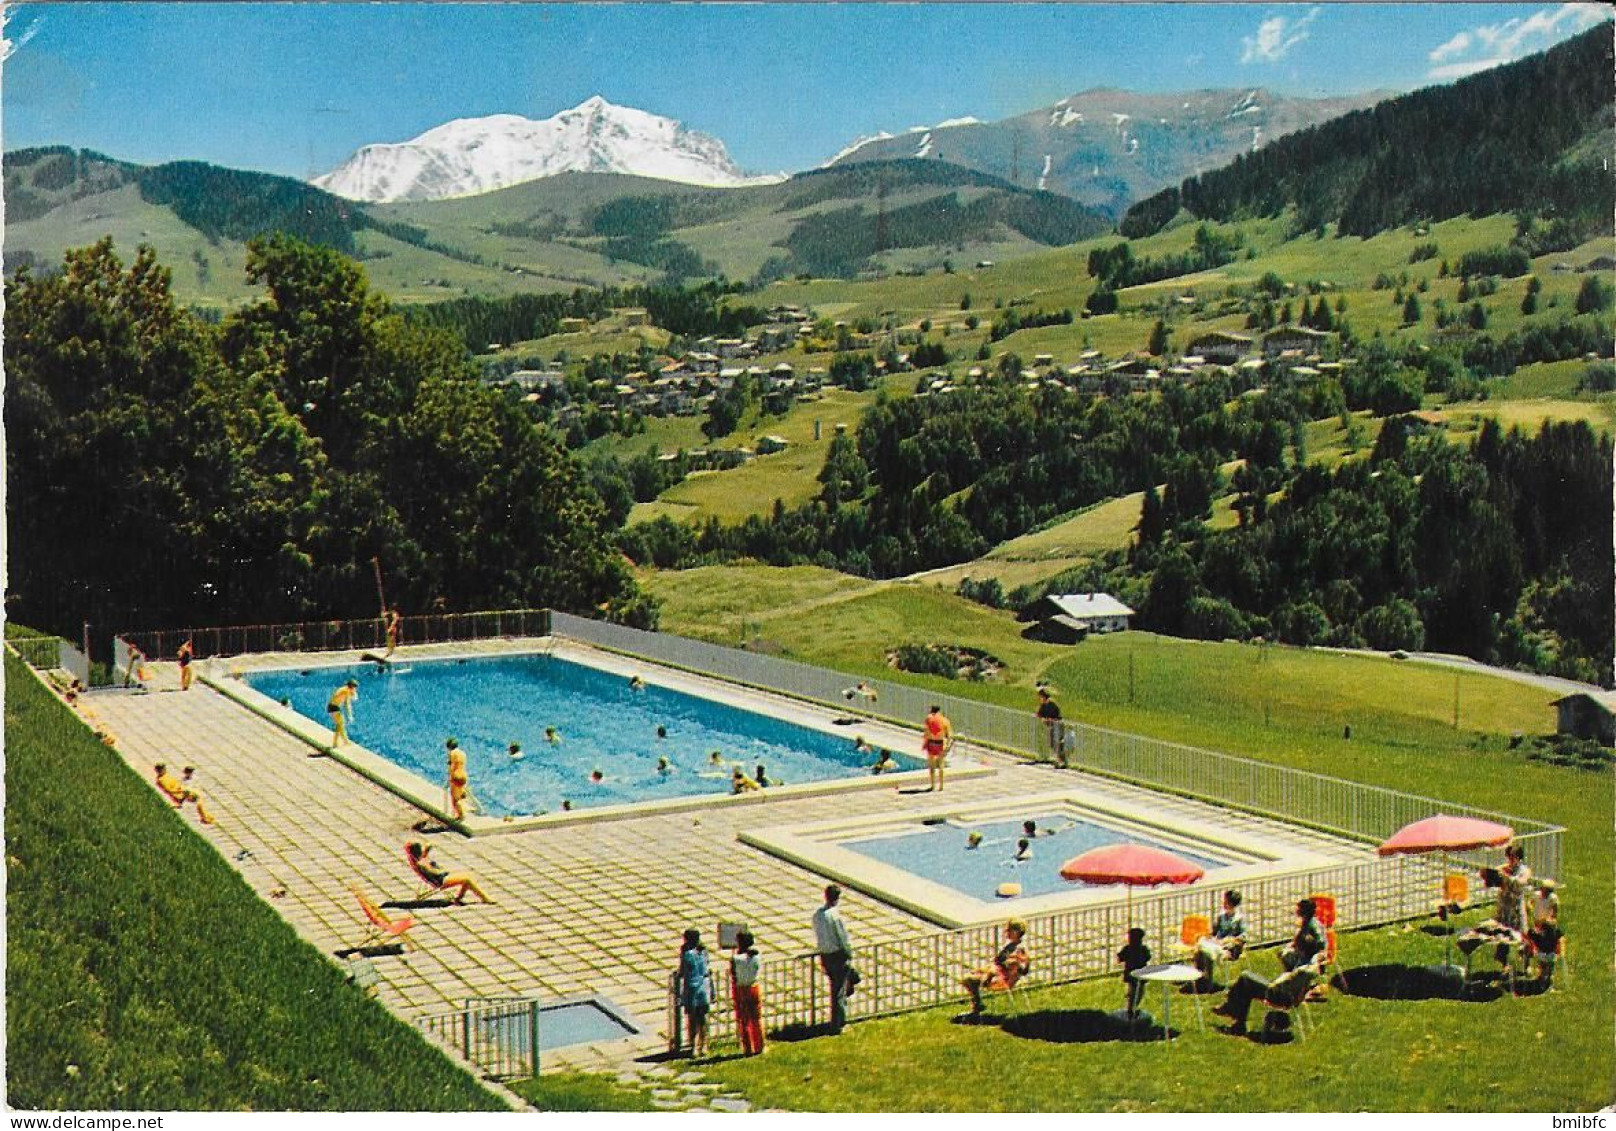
[925,970]
[1334,805]
[500,1036]
[341,635]
[47,653]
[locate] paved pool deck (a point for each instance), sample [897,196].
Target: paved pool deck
[588,906]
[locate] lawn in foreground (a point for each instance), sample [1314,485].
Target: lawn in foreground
[1283,705]
[1493,1053]
[143,974]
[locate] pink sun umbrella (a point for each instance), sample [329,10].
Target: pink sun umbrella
[1131,864]
[1445,834]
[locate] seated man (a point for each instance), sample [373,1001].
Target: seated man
[1009,964]
[1309,941]
[1285,991]
[1226,942]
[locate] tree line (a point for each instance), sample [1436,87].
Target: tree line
[166,471]
[1520,137]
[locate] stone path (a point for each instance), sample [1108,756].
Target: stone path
[587,908]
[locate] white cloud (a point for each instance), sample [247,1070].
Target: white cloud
[9,44]
[1275,37]
[1493,44]
[1455,46]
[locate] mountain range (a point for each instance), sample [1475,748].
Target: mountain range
[475,155]
[1108,148]
[1531,137]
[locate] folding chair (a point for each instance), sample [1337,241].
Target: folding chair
[380,926]
[1300,1015]
[1324,908]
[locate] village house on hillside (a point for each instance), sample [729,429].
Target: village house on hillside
[1298,338]
[1588,714]
[1222,347]
[1069,617]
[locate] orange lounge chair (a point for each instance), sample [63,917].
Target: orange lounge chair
[382,928]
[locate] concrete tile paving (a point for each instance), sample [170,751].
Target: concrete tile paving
[580,908]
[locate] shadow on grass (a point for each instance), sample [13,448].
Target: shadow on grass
[790,1034]
[1394,982]
[1079,1026]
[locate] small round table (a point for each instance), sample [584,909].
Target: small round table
[1170,975]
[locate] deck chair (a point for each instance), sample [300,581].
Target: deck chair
[1016,992]
[381,928]
[1324,908]
[425,884]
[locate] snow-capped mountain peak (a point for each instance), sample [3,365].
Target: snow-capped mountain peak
[472,155]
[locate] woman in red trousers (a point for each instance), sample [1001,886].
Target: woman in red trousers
[744,966]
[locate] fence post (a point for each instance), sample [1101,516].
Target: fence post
[533,1036]
[465,1032]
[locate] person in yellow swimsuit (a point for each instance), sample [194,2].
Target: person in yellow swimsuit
[340,708]
[459,780]
[394,627]
[180,793]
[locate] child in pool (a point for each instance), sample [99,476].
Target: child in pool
[516,752]
[551,736]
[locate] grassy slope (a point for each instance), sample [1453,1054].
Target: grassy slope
[791,475]
[1280,704]
[1058,279]
[142,973]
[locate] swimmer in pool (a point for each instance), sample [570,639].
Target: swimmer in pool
[860,746]
[566,806]
[740,783]
[762,778]
[516,752]
[636,683]
[716,758]
[551,736]
[1023,850]
[596,776]
[884,764]
[662,732]
[973,840]
[664,767]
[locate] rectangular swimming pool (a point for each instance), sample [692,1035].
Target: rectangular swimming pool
[406,712]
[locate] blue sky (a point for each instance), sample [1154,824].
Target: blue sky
[291,88]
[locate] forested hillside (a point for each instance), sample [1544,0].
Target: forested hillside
[162,470]
[1533,137]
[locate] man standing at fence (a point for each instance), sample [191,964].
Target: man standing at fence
[1050,713]
[835,954]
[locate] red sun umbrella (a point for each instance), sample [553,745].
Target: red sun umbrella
[1131,864]
[1443,833]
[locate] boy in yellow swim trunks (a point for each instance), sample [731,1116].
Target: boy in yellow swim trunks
[340,708]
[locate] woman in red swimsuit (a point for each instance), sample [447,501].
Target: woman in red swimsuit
[939,738]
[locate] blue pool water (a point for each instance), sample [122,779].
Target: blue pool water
[939,853]
[407,713]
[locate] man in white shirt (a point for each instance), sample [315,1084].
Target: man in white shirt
[835,954]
